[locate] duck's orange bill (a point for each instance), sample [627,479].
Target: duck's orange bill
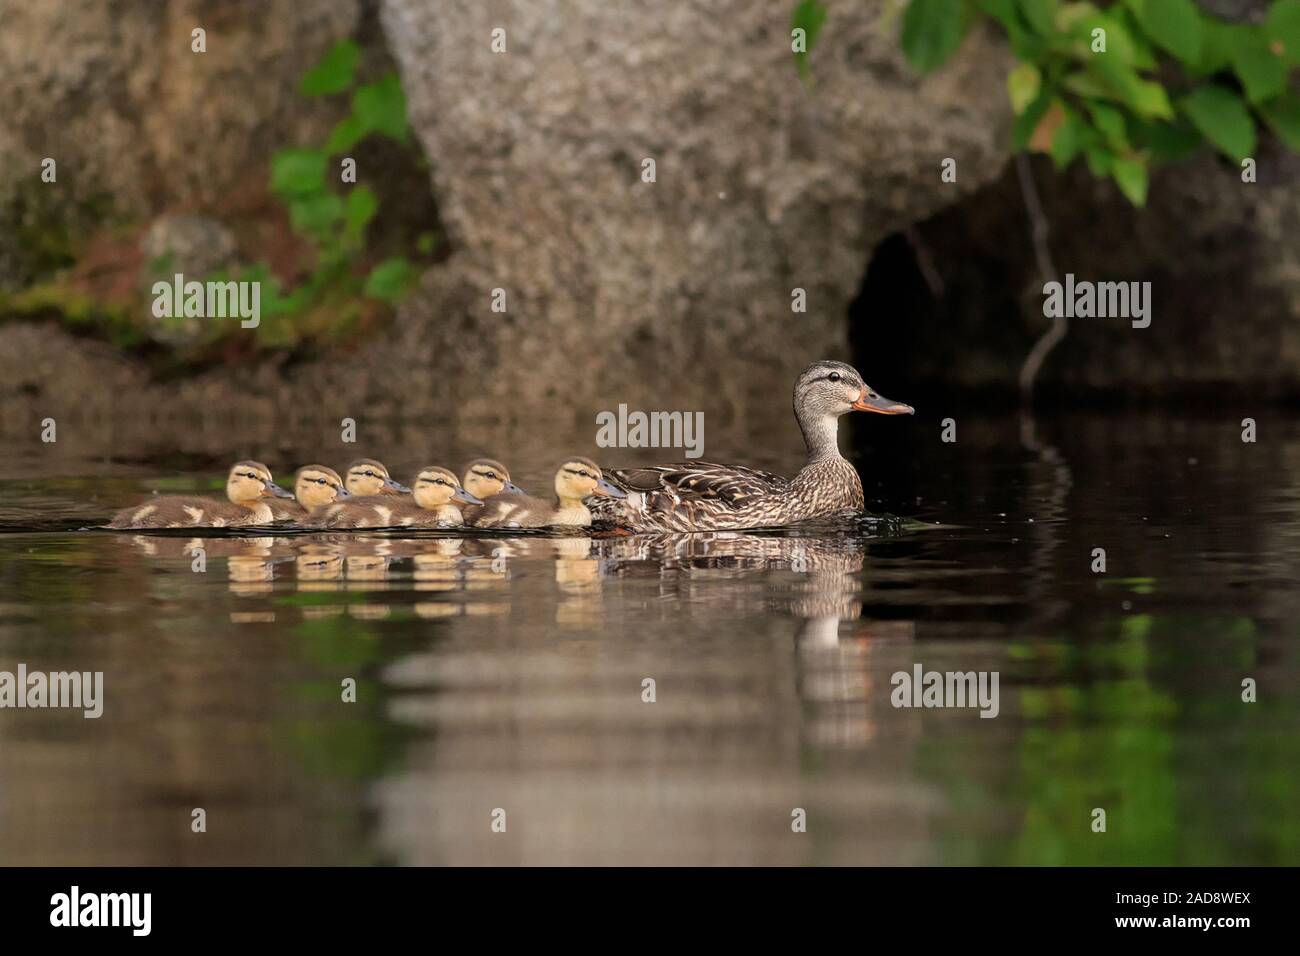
[868,401]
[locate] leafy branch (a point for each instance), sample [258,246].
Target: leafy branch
[333,221]
[1128,85]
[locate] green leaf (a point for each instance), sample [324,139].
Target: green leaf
[1023,84]
[1039,14]
[1261,71]
[1025,44]
[1223,119]
[1144,57]
[380,107]
[346,133]
[1110,122]
[1070,139]
[932,31]
[1120,41]
[1149,98]
[1088,85]
[1168,142]
[298,172]
[1283,117]
[360,208]
[1027,122]
[1283,26]
[1119,81]
[1100,161]
[390,279]
[316,215]
[1174,25]
[1131,177]
[809,16]
[1004,11]
[334,73]
[1217,43]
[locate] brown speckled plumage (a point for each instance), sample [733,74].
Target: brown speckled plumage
[249,487]
[704,496]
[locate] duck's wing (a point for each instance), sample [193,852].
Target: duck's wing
[512,510]
[689,481]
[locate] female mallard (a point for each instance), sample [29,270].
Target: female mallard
[430,506]
[248,486]
[700,496]
[578,478]
[315,487]
[485,477]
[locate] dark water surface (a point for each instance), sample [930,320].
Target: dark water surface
[508,672]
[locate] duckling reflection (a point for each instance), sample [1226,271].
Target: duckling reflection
[319,566]
[251,569]
[249,561]
[368,563]
[578,577]
[437,567]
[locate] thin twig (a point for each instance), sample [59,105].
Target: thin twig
[924,261]
[1038,233]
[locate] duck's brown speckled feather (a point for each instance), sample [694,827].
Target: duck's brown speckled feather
[705,496]
[184,511]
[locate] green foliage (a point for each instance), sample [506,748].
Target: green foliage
[932,30]
[1129,84]
[1222,118]
[332,217]
[334,73]
[809,16]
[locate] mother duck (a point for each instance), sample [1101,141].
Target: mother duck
[702,496]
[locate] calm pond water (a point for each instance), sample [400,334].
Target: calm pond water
[507,672]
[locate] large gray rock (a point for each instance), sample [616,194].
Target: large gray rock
[677,291]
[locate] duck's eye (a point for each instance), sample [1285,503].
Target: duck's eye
[491,475]
[835,376]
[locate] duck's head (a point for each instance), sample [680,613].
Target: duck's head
[485,477]
[580,478]
[436,486]
[317,486]
[831,389]
[370,477]
[250,480]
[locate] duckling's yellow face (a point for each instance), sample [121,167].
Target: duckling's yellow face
[485,478]
[318,486]
[369,477]
[581,478]
[435,487]
[250,480]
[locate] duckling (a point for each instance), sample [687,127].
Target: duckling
[315,487]
[372,492]
[369,477]
[578,478]
[247,485]
[429,507]
[485,477]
